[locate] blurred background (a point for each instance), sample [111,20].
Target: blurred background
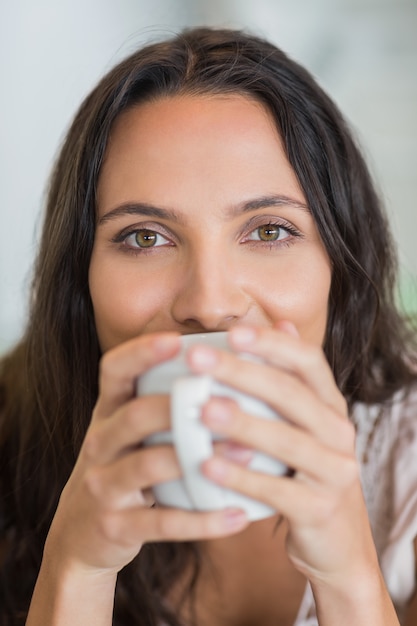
[363,52]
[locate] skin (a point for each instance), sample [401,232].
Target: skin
[207,178]
[207,182]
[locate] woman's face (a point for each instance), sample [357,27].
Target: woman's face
[202,225]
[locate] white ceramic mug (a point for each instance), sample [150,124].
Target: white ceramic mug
[193,441]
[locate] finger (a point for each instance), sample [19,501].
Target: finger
[159,524]
[279,439]
[120,367]
[234,452]
[118,485]
[292,497]
[148,497]
[285,393]
[281,347]
[285,495]
[127,428]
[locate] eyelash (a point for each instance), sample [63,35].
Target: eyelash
[123,237]
[293,233]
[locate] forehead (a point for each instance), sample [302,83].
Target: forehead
[194,144]
[196,112]
[203,120]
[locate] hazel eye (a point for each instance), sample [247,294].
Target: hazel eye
[145,238]
[268,233]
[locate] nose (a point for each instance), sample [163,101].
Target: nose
[211,296]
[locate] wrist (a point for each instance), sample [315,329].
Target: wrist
[361,599]
[67,593]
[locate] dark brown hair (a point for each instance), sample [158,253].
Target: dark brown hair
[48,383]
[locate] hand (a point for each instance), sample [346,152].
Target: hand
[103,518]
[329,535]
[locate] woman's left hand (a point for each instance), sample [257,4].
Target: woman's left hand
[329,536]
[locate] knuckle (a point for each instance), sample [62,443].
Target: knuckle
[234,410]
[91,445]
[346,433]
[312,356]
[165,526]
[93,483]
[130,417]
[322,509]
[349,472]
[110,527]
[210,525]
[146,466]
[106,365]
[343,406]
[292,445]
[293,386]
[350,433]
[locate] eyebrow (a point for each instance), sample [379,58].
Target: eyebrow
[143,209]
[148,210]
[266,201]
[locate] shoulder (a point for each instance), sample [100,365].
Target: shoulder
[387,452]
[391,424]
[386,444]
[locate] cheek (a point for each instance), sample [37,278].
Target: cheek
[311,311]
[300,293]
[125,304]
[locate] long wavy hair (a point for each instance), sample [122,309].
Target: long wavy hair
[48,383]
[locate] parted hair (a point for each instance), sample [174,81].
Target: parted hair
[48,382]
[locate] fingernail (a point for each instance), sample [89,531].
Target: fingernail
[235,518]
[203,357]
[237,453]
[242,336]
[216,469]
[218,412]
[165,343]
[288,327]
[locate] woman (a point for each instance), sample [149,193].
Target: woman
[208,184]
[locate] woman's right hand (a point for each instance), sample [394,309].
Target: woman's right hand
[103,517]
